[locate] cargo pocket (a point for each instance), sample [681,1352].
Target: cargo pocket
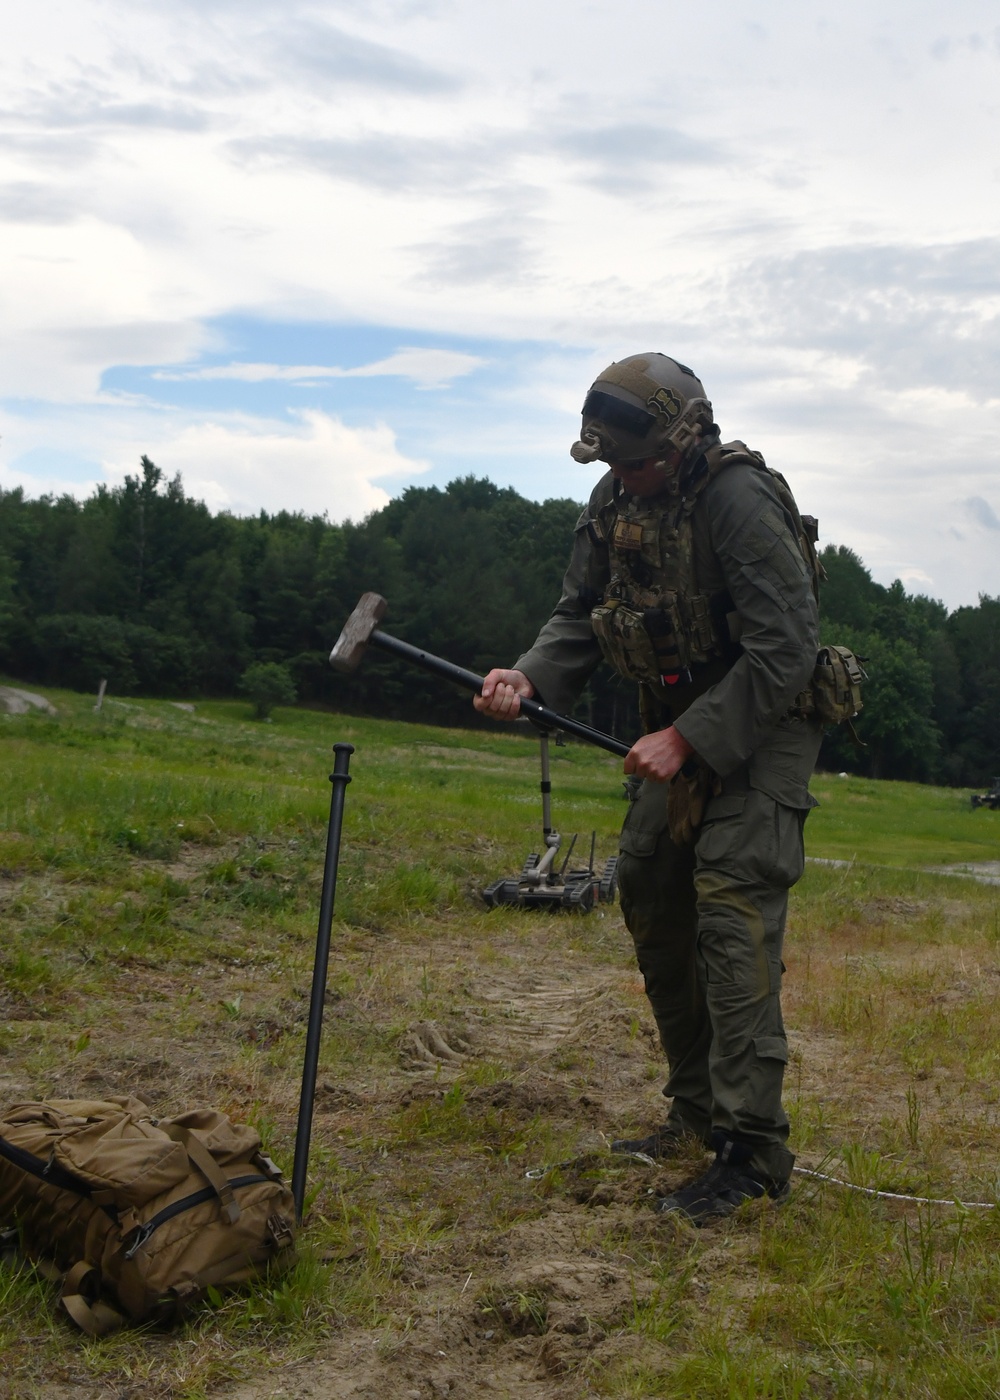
[771,1047]
[790,851]
[722,830]
[645,821]
[767,1072]
[735,1014]
[641,878]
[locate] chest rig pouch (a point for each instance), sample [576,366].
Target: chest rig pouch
[653,624]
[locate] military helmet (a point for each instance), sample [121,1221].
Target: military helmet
[642,407]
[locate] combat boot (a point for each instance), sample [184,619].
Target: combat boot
[729,1182]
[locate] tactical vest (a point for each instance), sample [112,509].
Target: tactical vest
[654,622]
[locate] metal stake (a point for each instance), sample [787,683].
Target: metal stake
[339,778]
[546,787]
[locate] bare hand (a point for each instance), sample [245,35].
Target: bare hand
[659,755]
[501,695]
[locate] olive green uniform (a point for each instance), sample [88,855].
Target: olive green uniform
[708,918]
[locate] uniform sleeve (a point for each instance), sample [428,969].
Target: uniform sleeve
[565,653]
[767,578]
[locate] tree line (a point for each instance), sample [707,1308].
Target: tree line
[142,586]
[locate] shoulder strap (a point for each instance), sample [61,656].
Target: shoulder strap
[806,527]
[714,460]
[202,1159]
[729,454]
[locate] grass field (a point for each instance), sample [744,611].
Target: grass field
[159,882]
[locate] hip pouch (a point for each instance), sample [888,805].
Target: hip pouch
[834,694]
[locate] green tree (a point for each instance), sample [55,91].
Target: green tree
[266,684]
[8,603]
[974,633]
[897,722]
[849,595]
[81,650]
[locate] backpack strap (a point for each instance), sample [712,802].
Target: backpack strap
[805,527]
[200,1157]
[97,1319]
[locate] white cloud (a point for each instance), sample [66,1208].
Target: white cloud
[242,466]
[427,368]
[317,464]
[78,297]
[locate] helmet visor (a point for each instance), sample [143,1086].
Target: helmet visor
[616,413]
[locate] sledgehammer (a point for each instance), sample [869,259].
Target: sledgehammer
[360,629]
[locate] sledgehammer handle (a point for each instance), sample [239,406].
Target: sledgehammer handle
[550,718]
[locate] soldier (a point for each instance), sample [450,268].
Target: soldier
[692,573]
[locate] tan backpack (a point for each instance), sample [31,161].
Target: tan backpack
[146,1214]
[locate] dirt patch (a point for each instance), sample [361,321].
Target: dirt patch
[894,907]
[522,1329]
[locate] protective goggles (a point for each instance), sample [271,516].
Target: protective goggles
[615,413]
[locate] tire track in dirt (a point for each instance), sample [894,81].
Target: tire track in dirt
[540,1015]
[517,1318]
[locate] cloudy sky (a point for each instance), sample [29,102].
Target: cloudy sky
[308,254]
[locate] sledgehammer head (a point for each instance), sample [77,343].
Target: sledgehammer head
[346,655]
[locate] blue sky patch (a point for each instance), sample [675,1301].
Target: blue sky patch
[467,405]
